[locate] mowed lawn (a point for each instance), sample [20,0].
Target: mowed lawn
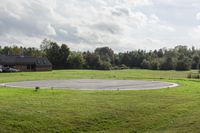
[175,110]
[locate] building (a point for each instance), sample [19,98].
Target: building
[26,63]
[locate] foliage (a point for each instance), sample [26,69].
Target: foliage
[105,65]
[56,54]
[145,64]
[178,58]
[93,60]
[14,50]
[195,62]
[106,54]
[76,60]
[120,67]
[193,76]
[155,65]
[184,64]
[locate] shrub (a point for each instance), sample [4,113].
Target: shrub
[193,76]
[155,65]
[105,66]
[167,64]
[120,67]
[145,64]
[184,64]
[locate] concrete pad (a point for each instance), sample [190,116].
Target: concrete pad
[93,84]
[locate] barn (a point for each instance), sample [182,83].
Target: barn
[26,63]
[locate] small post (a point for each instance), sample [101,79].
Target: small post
[37,88]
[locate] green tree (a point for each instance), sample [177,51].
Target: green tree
[57,55]
[76,60]
[106,54]
[105,65]
[195,62]
[184,64]
[92,60]
[168,63]
[52,51]
[64,54]
[145,64]
[155,65]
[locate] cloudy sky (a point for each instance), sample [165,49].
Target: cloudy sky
[86,24]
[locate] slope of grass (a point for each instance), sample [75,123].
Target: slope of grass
[152,111]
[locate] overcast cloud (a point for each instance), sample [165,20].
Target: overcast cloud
[86,24]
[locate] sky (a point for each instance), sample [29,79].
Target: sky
[122,25]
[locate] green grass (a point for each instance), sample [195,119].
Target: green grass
[174,110]
[87,74]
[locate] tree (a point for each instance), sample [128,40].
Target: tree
[45,45]
[92,60]
[179,57]
[145,64]
[106,54]
[76,60]
[52,51]
[167,64]
[56,54]
[155,65]
[16,50]
[32,52]
[53,54]
[183,64]
[105,65]
[160,53]
[125,58]
[64,54]
[195,62]
[1,50]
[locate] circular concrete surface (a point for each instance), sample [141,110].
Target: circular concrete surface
[93,84]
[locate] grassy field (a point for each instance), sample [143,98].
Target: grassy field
[174,110]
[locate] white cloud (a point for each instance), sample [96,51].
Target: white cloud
[167,28]
[154,19]
[195,32]
[50,30]
[198,16]
[120,24]
[142,2]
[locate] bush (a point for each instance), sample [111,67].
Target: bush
[145,64]
[193,76]
[184,64]
[123,67]
[105,66]
[155,65]
[167,64]
[76,61]
[120,67]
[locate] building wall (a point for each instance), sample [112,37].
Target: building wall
[25,68]
[22,68]
[43,68]
[28,68]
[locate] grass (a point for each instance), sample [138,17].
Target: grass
[152,111]
[87,74]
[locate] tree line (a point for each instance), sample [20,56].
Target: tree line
[104,58]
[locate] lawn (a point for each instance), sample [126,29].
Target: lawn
[152,111]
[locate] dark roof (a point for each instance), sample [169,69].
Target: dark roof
[42,62]
[8,60]
[24,60]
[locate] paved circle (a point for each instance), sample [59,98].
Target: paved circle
[93,84]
